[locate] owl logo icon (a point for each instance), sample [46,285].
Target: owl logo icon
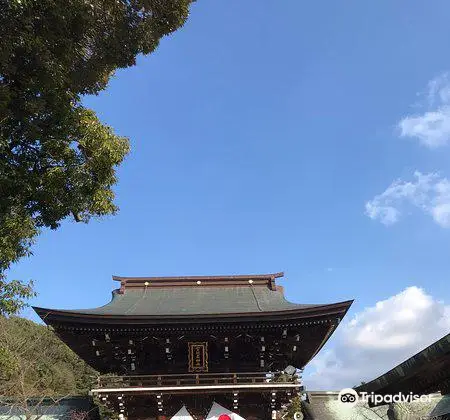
[348,396]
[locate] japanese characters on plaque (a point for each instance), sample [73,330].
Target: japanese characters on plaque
[198,356]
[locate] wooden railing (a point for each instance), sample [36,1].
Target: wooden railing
[108,381]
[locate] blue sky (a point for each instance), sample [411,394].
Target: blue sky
[259,133]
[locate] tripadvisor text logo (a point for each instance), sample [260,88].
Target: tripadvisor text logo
[348,396]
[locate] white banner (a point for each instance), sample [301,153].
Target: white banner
[218,412]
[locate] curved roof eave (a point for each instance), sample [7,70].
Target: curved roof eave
[410,367]
[303,312]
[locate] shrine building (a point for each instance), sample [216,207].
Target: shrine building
[165,344]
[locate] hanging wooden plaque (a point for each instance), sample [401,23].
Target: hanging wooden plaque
[198,356]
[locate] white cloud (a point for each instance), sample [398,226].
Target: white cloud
[431,128]
[379,338]
[428,192]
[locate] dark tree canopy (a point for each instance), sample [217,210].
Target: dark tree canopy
[56,158]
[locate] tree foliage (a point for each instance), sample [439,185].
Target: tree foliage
[34,363]
[13,296]
[56,158]
[295,406]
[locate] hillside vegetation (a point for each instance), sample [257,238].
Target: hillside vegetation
[34,362]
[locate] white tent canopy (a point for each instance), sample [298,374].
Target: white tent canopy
[217,410]
[182,414]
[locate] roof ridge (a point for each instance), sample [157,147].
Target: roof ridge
[267,280]
[203,277]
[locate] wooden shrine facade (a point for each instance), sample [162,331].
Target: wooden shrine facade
[160,396]
[168,341]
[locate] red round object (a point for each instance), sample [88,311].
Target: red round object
[224,417]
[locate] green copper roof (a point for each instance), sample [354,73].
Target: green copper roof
[187,297]
[194,301]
